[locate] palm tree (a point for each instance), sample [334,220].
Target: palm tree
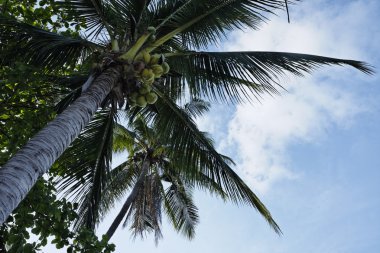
[127,41]
[149,163]
[185,159]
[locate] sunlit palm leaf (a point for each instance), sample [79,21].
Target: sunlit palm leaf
[123,139]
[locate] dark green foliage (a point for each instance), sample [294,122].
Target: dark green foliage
[44,14]
[39,47]
[25,107]
[43,216]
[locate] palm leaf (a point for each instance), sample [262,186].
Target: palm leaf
[123,139]
[199,155]
[74,83]
[134,14]
[33,45]
[235,76]
[198,23]
[196,108]
[145,211]
[120,180]
[98,15]
[180,208]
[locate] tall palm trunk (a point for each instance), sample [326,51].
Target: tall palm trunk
[21,172]
[139,183]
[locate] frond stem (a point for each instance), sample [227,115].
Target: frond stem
[180,29]
[172,15]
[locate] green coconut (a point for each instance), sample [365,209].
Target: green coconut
[155,58]
[147,86]
[133,96]
[151,29]
[145,90]
[141,101]
[157,70]
[132,103]
[138,66]
[151,97]
[147,75]
[146,57]
[165,67]
[152,38]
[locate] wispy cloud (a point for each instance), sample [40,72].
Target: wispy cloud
[262,133]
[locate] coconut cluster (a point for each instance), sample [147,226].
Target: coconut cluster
[147,70]
[140,76]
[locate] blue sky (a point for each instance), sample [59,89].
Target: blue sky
[310,154]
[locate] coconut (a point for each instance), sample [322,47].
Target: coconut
[146,57]
[144,91]
[147,74]
[152,38]
[147,86]
[141,101]
[157,70]
[151,29]
[165,67]
[151,97]
[133,96]
[155,58]
[132,103]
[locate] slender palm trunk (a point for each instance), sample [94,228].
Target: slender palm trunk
[139,183]
[21,172]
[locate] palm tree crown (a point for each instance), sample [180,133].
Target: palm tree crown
[146,57]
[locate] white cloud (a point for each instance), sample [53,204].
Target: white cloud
[263,133]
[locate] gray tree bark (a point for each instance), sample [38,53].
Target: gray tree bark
[139,183]
[21,172]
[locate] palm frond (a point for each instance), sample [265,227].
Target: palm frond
[196,108]
[197,180]
[121,179]
[74,83]
[145,211]
[235,76]
[33,45]
[199,155]
[123,139]
[85,166]
[180,208]
[134,14]
[198,23]
[97,14]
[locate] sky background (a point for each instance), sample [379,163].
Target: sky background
[310,154]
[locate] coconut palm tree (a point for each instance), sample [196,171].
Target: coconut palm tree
[131,45]
[190,162]
[150,164]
